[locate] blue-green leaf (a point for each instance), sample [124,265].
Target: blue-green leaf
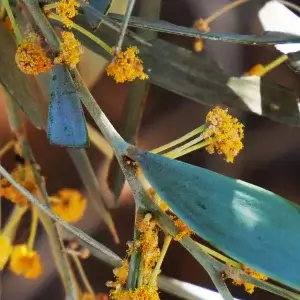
[248,223]
[66,121]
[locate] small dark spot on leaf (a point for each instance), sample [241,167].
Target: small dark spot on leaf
[129,162]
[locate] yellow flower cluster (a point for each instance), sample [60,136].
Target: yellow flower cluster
[67,9]
[23,261]
[127,66]
[148,245]
[69,205]
[26,262]
[24,176]
[31,58]
[121,273]
[224,134]
[70,50]
[249,287]
[142,293]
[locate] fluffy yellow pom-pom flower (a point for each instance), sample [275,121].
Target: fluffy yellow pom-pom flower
[67,9]
[31,58]
[69,205]
[70,50]
[26,262]
[24,176]
[224,133]
[5,250]
[127,66]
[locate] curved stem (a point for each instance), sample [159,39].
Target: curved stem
[83,275]
[177,153]
[224,10]
[275,63]
[82,30]
[219,256]
[156,271]
[179,140]
[127,15]
[14,220]
[6,147]
[49,6]
[290,5]
[45,209]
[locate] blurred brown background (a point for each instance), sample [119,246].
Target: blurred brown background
[270,159]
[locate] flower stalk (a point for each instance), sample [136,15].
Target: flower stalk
[13,21]
[261,70]
[167,241]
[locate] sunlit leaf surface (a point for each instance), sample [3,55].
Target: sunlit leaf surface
[248,223]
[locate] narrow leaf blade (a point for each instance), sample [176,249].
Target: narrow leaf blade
[274,16]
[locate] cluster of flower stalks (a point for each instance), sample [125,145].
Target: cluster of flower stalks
[41,49]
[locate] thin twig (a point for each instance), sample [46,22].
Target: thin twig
[88,177]
[74,230]
[224,10]
[127,16]
[53,235]
[83,274]
[6,147]
[290,5]
[137,94]
[82,30]
[13,21]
